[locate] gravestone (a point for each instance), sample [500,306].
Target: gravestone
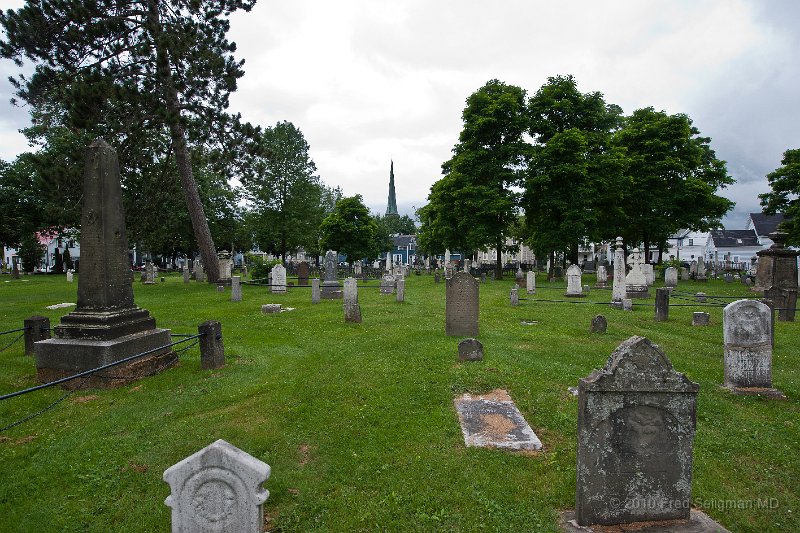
[493,421]
[662,304]
[574,288]
[278,284]
[220,288]
[236,288]
[483,278]
[448,271]
[387,284]
[777,265]
[352,311]
[747,333]
[331,290]
[514,296]
[401,290]
[701,270]
[627,304]
[671,277]
[388,263]
[700,297]
[303,270]
[270,308]
[470,350]
[602,277]
[69,276]
[700,318]
[530,282]
[244,271]
[466,265]
[519,277]
[199,272]
[150,273]
[106,326]
[684,274]
[437,278]
[186,274]
[225,265]
[649,273]
[636,281]
[461,306]
[315,291]
[619,290]
[599,324]
[217,489]
[636,425]
[586,289]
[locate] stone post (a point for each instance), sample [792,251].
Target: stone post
[662,304]
[619,289]
[37,328]
[212,352]
[401,290]
[514,296]
[315,291]
[236,288]
[352,311]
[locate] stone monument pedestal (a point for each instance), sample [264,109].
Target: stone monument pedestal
[331,290]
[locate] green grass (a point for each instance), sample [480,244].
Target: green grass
[357,420]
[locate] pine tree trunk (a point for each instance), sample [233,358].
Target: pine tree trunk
[202,233]
[498,267]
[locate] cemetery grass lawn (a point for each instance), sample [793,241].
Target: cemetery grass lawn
[357,420]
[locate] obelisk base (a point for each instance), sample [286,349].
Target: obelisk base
[60,357]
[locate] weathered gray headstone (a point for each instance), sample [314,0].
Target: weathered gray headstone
[514,296]
[331,290]
[315,291]
[387,284]
[212,350]
[636,280]
[270,308]
[303,270]
[519,277]
[574,288]
[701,270]
[700,297]
[627,304]
[352,311]
[662,304]
[278,284]
[649,273]
[671,277]
[236,289]
[69,276]
[530,282]
[470,350]
[461,306]
[684,274]
[150,273]
[599,324]
[437,278]
[186,274]
[492,420]
[448,271]
[636,425]
[619,290]
[217,489]
[700,318]
[586,289]
[106,326]
[602,277]
[747,333]
[483,277]
[401,290]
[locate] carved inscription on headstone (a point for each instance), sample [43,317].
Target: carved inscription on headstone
[461,308]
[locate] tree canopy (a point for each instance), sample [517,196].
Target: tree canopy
[350,230]
[139,68]
[785,194]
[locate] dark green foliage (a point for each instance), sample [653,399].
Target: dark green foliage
[67,260]
[387,226]
[258,268]
[350,230]
[785,194]
[474,204]
[284,191]
[674,175]
[30,252]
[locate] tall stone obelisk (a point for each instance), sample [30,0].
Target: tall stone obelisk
[106,326]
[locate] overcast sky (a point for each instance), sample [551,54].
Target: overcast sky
[371,81]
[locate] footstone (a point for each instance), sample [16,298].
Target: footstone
[470,350]
[106,326]
[401,290]
[599,324]
[636,425]
[514,296]
[700,318]
[387,284]
[461,306]
[627,304]
[493,421]
[315,291]
[217,489]
[271,308]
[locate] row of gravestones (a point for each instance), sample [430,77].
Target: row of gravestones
[636,427]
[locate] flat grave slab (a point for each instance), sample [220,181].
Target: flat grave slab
[493,421]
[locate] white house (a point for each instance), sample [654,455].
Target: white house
[687,245]
[763,225]
[732,248]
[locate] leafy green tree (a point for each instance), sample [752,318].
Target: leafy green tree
[350,230]
[67,260]
[574,180]
[389,226]
[785,194]
[285,192]
[473,206]
[30,252]
[138,65]
[674,176]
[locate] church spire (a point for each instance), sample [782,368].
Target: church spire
[391,208]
